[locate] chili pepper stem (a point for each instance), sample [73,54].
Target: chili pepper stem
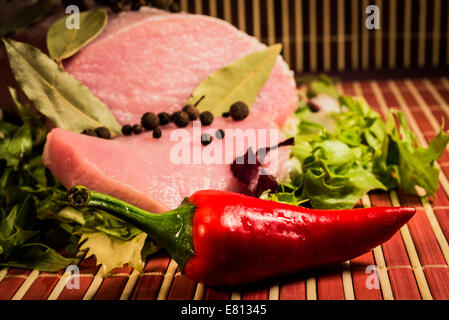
[172,230]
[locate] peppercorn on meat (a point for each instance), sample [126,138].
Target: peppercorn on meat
[152,60]
[156,174]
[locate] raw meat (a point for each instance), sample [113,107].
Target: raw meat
[152,61]
[144,171]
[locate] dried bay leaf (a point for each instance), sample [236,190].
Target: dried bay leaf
[63,43]
[238,81]
[28,15]
[65,101]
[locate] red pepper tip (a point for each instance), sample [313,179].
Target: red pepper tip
[403,214]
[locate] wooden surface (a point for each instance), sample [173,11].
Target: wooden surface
[411,265]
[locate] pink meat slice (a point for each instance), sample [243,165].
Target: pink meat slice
[152,61]
[147,172]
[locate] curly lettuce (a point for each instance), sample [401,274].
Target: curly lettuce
[358,153]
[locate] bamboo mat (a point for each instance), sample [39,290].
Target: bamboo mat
[411,265]
[325,35]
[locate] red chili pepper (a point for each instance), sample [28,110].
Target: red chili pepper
[224,238]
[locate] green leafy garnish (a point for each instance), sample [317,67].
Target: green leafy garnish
[323,85]
[65,101]
[39,257]
[113,252]
[238,81]
[360,152]
[25,17]
[35,220]
[412,164]
[13,227]
[63,43]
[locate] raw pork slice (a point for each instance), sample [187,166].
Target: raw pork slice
[146,171]
[152,61]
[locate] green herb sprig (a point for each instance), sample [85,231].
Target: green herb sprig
[35,220]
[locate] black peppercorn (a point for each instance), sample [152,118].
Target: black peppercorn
[314,107]
[103,132]
[127,130]
[206,139]
[192,112]
[181,119]
[220,134]
[225,114]
[239,111]
[164,118]
[137,129]
[149,121]
[206,118]
[89,132]
[157,133]
[174,115]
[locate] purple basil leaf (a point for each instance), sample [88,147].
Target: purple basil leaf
[249,171]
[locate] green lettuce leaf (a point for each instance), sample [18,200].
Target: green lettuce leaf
[13,227]
[112,252]
[39,257]
[359,153]
[323,85]
[413,164]
[30,14]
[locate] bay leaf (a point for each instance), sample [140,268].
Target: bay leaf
[28,15]
[64,100]
[239,81]
[63,43]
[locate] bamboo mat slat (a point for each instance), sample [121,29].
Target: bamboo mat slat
[347,281]
[330,284]
[87,269]
[130,284]
[412,265]
[216,294]
[11,282]
[112,286]
[182,288]
[3,273]
[294,289]
[42,286]
[256,294]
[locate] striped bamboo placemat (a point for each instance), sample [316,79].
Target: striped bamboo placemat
[330,35]
[411,265]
